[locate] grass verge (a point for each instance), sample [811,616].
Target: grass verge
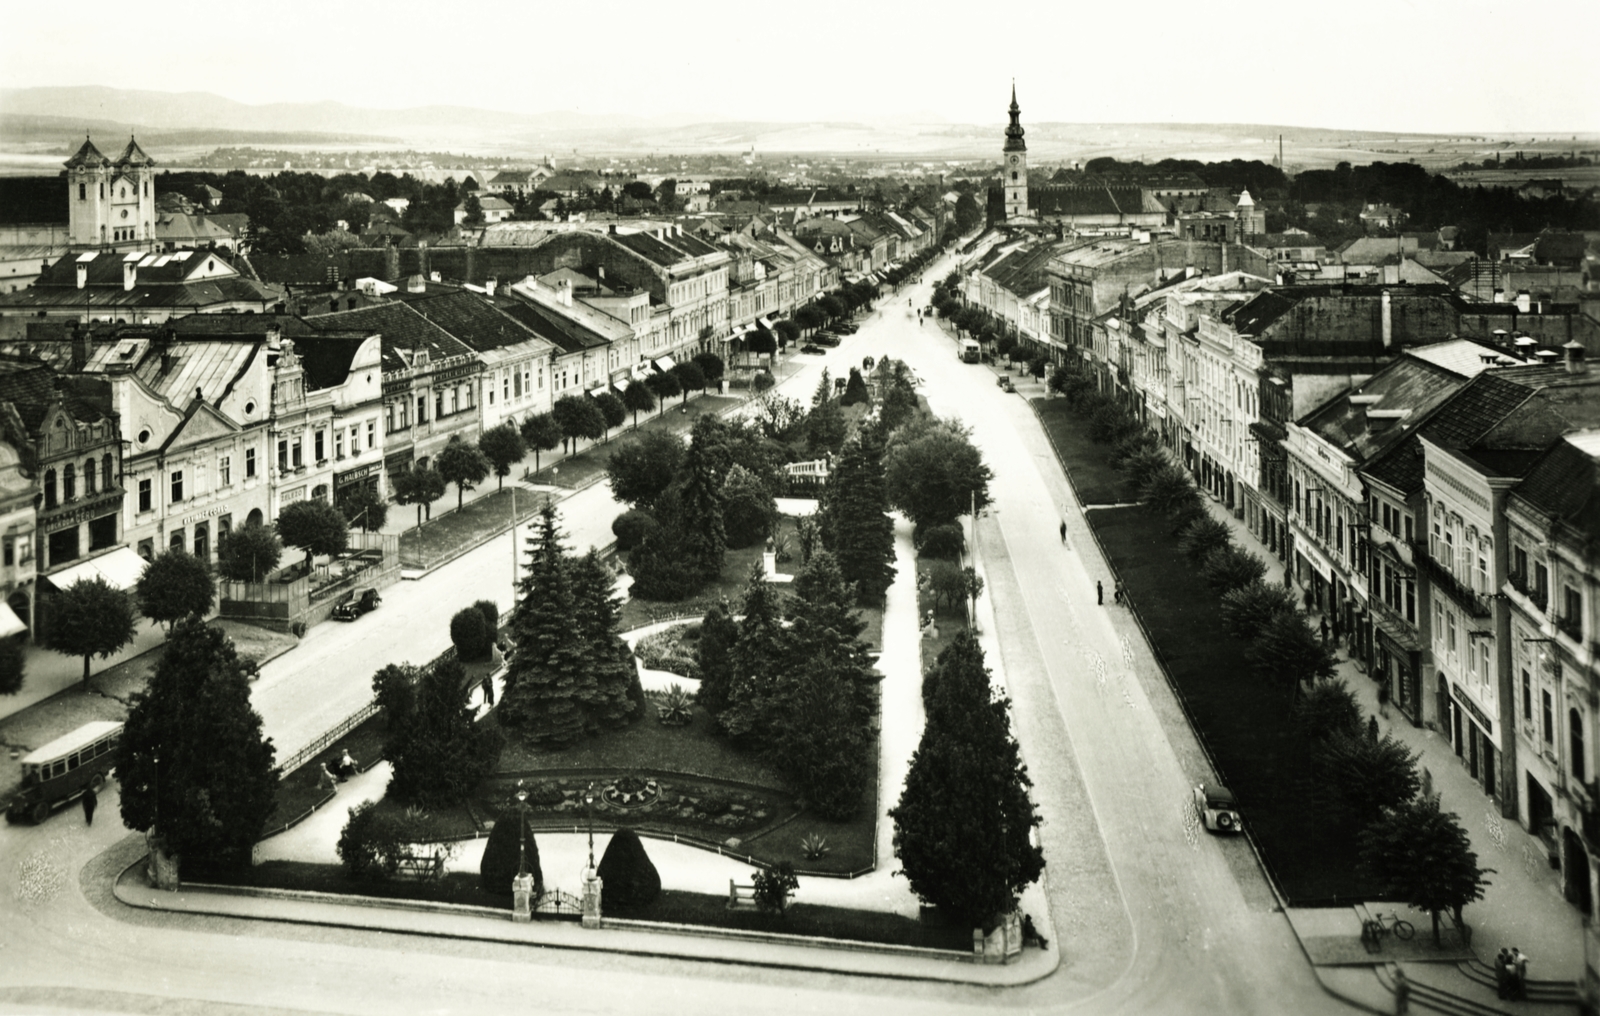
[298,791]
[465,528]
[1093,479]
[801,919]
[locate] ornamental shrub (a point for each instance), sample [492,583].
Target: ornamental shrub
[499,865]
[632,526]
[369,844]
[943,541]
[628,878]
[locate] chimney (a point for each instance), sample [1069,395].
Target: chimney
[1388,320]
[612,229]
[1499,295]
[416,284]
[600,271]
[130,275]
[83,274]
[1524,301]
[489,285]
[1575,364]
[564,293]
[435,277]
[679,227]
[1547,356]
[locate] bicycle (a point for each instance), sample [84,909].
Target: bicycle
[1376,927]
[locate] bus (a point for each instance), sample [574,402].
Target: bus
[59,771]
[971,352]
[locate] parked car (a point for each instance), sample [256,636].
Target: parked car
[847,327]
[1005,383]
[812,347]
[824,339]
[1215,806]
[361,601]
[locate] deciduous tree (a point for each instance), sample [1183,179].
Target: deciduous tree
[579,418]
[90,618]
[637,398]
[1421,855]
[315,526]
[664,386]
[174,586]
[612,409]
[365,507]
[503,447]
[541,433]
[464,465]
[250,554]
[1288,651]
[1250,608]
[937,476]
[642,467]
[748,510]
[690,378]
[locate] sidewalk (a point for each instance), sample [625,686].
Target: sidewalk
[1523,906]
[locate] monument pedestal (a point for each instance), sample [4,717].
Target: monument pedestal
[592,884]
[522,897]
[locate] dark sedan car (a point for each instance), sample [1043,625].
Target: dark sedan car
[824,339]
[812,348]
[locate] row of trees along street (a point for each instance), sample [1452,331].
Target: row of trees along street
[1411,849]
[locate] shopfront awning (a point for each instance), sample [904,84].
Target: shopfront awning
[663,363]
[121,569]
[10,623]
[620,384]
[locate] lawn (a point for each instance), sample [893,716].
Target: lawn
[477,521]
[1093,479]
[577,469]
[298,790]
[574,471]
[460,887]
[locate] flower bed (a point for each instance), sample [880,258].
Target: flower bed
[701,809]
[671,649]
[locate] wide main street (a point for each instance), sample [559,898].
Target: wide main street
[1152,914]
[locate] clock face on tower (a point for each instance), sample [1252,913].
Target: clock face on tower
[1013,160]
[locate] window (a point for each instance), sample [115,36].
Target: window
[1548,717]
[355,439]
[422,410]
[338,444]
[63,545]
[249,462]
[1519,564]
[1449,559]
[83,192]
[296,459]
[372,435]
[1572,608]
[1438,622]
[455,400]
[105,472]
[88,477]
[1483,572]
[225,471]
[202,542]
[177,486]
[318,444]
[283,456]
[1575,745]
[1527,696]
[176,543]
[144,495]
[388,418]
[1484,673]
[1450,631]
[1541,583]
[438,404]
[1411,600]
[505,385]
[69,482]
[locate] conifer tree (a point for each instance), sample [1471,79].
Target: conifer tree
[855,517]
[826,630]
[610,661]
[440,754]
[705,468]
[714,658]
[194,765]
[759,654]
[548,684]
[963,824]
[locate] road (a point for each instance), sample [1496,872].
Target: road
[1152,915]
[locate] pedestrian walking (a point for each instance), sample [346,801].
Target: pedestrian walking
[90,800]
[1063,530]
[1503,973]
[1306,600]
[1099,594]
[1383,698]
[1323,628]
[1519,979]
[488,690]
[347,766]
[325,778]
[1402,992]
[1116,592]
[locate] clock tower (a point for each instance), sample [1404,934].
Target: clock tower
[1014,164]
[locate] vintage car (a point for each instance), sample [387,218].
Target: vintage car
[362,600]
[825,339]
[846,327]
[1215,806]
[1005,383]
[812,347]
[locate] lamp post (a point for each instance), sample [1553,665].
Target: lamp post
[591,879]
[522,885]
[588,807]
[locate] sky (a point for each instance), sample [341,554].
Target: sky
[1395,65]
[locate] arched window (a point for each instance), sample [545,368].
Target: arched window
[88,477]
[105,472]
[49,488]
[1580,768]
[69,482]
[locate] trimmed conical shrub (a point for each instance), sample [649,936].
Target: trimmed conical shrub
[499,865]
[628,879]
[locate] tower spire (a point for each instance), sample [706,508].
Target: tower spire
[1014,131]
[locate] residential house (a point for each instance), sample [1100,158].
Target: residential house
[1375,217]
[135,289]
[591,347]
[66,429]
[430,383]
[494,210]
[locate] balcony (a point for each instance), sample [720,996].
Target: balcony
[1474,603]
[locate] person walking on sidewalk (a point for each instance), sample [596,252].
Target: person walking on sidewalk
[1099,594]
[1063,530]
[1519,977]
[1116,592]
[90,801]
[488,690]
[1503,973]
[1323,628]
[1402,992]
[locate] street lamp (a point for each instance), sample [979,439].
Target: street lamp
[588,807]
[522,830]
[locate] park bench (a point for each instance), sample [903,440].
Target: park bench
[741,897]
[422,867]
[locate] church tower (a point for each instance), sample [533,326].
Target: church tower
[111,204]
[1014,164]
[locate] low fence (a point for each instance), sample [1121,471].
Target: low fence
[282,605]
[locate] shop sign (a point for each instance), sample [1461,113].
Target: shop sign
[1472,707]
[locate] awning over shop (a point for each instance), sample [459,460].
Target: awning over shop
[663,363]
[121,569]
[10,623]
[764,323]
[620,384]
[595,392]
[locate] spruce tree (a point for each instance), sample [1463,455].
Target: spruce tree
[855,520]
[705,468]
[194,764]
[963,824]
[759,654]
[441,754]
[826,629]
[714,658]
[610,661]
[548,684]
